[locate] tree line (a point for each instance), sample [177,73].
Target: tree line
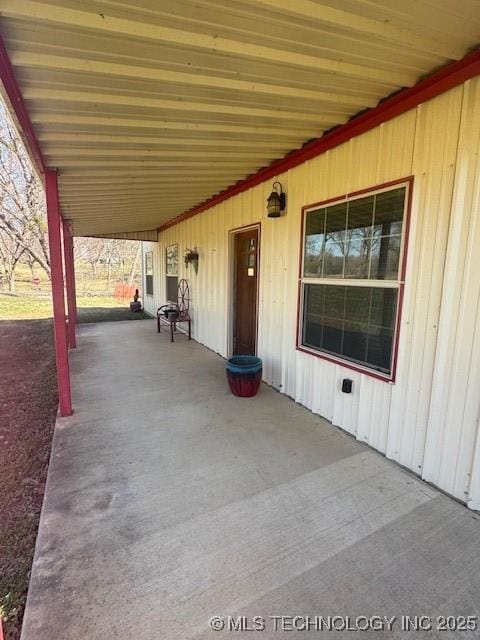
[23,226]
[23,229]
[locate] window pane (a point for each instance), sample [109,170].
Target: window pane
[379,351]
[383,307]
[149,263]
[357,258]
[358,246]
[313,315]
[334,311]
[354,323]
[360,217]
[334,301]
[172,288]
[172,260]
[385,258]
[149,285]
[336,224]
[357,312]
[389,207]
[381,326]
[355,341]
[314,239]
[337,218]
[358,238]
[315,222]
[357,303]
[247,244]
[334,256]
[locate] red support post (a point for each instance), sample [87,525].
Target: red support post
[58,294]
[70,283]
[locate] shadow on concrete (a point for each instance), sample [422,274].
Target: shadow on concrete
[108,314]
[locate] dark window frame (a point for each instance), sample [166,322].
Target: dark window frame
[398,283]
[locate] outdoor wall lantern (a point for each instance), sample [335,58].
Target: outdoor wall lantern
[276,201]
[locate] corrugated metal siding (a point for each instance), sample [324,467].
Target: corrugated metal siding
[452,459]
[395,418]
[433,165]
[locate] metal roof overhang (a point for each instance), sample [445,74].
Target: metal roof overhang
[147,109]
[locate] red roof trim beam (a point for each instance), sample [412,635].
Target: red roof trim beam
[15,98]
[446,78]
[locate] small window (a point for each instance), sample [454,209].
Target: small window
[351,278]
[171,270]
[149,273]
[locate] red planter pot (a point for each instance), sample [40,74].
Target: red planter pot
[244,386]
[244,375]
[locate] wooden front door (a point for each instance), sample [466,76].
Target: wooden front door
[245,293]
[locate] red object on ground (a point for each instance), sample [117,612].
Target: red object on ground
[36,282]
[70,283]
[58,294]
[244,386]
[125,291]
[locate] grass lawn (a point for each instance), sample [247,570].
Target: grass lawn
[24,308]
[90,308]
[28,407]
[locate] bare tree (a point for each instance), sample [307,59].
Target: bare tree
[135,262]
[109,262]
[90,250]
[10,253]
[22,204]
[23,229]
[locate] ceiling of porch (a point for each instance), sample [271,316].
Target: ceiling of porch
[149,108]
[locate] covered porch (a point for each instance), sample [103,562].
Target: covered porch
[170,501]
[141,116]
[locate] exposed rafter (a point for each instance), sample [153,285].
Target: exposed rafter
[150,110]
[89,66]
[106,23]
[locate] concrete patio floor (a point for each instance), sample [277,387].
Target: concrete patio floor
[170,501]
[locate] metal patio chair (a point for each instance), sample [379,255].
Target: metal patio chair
[172,314]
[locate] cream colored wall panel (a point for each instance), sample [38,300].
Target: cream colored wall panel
[150,302]
[296,198]
[455,409]
[373,412]
[304,378]
[433,166]
[323,381]
[362,169]
[271,297]
[345,408]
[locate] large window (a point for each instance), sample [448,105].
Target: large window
[149,273]
[171,270]
[352,277]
